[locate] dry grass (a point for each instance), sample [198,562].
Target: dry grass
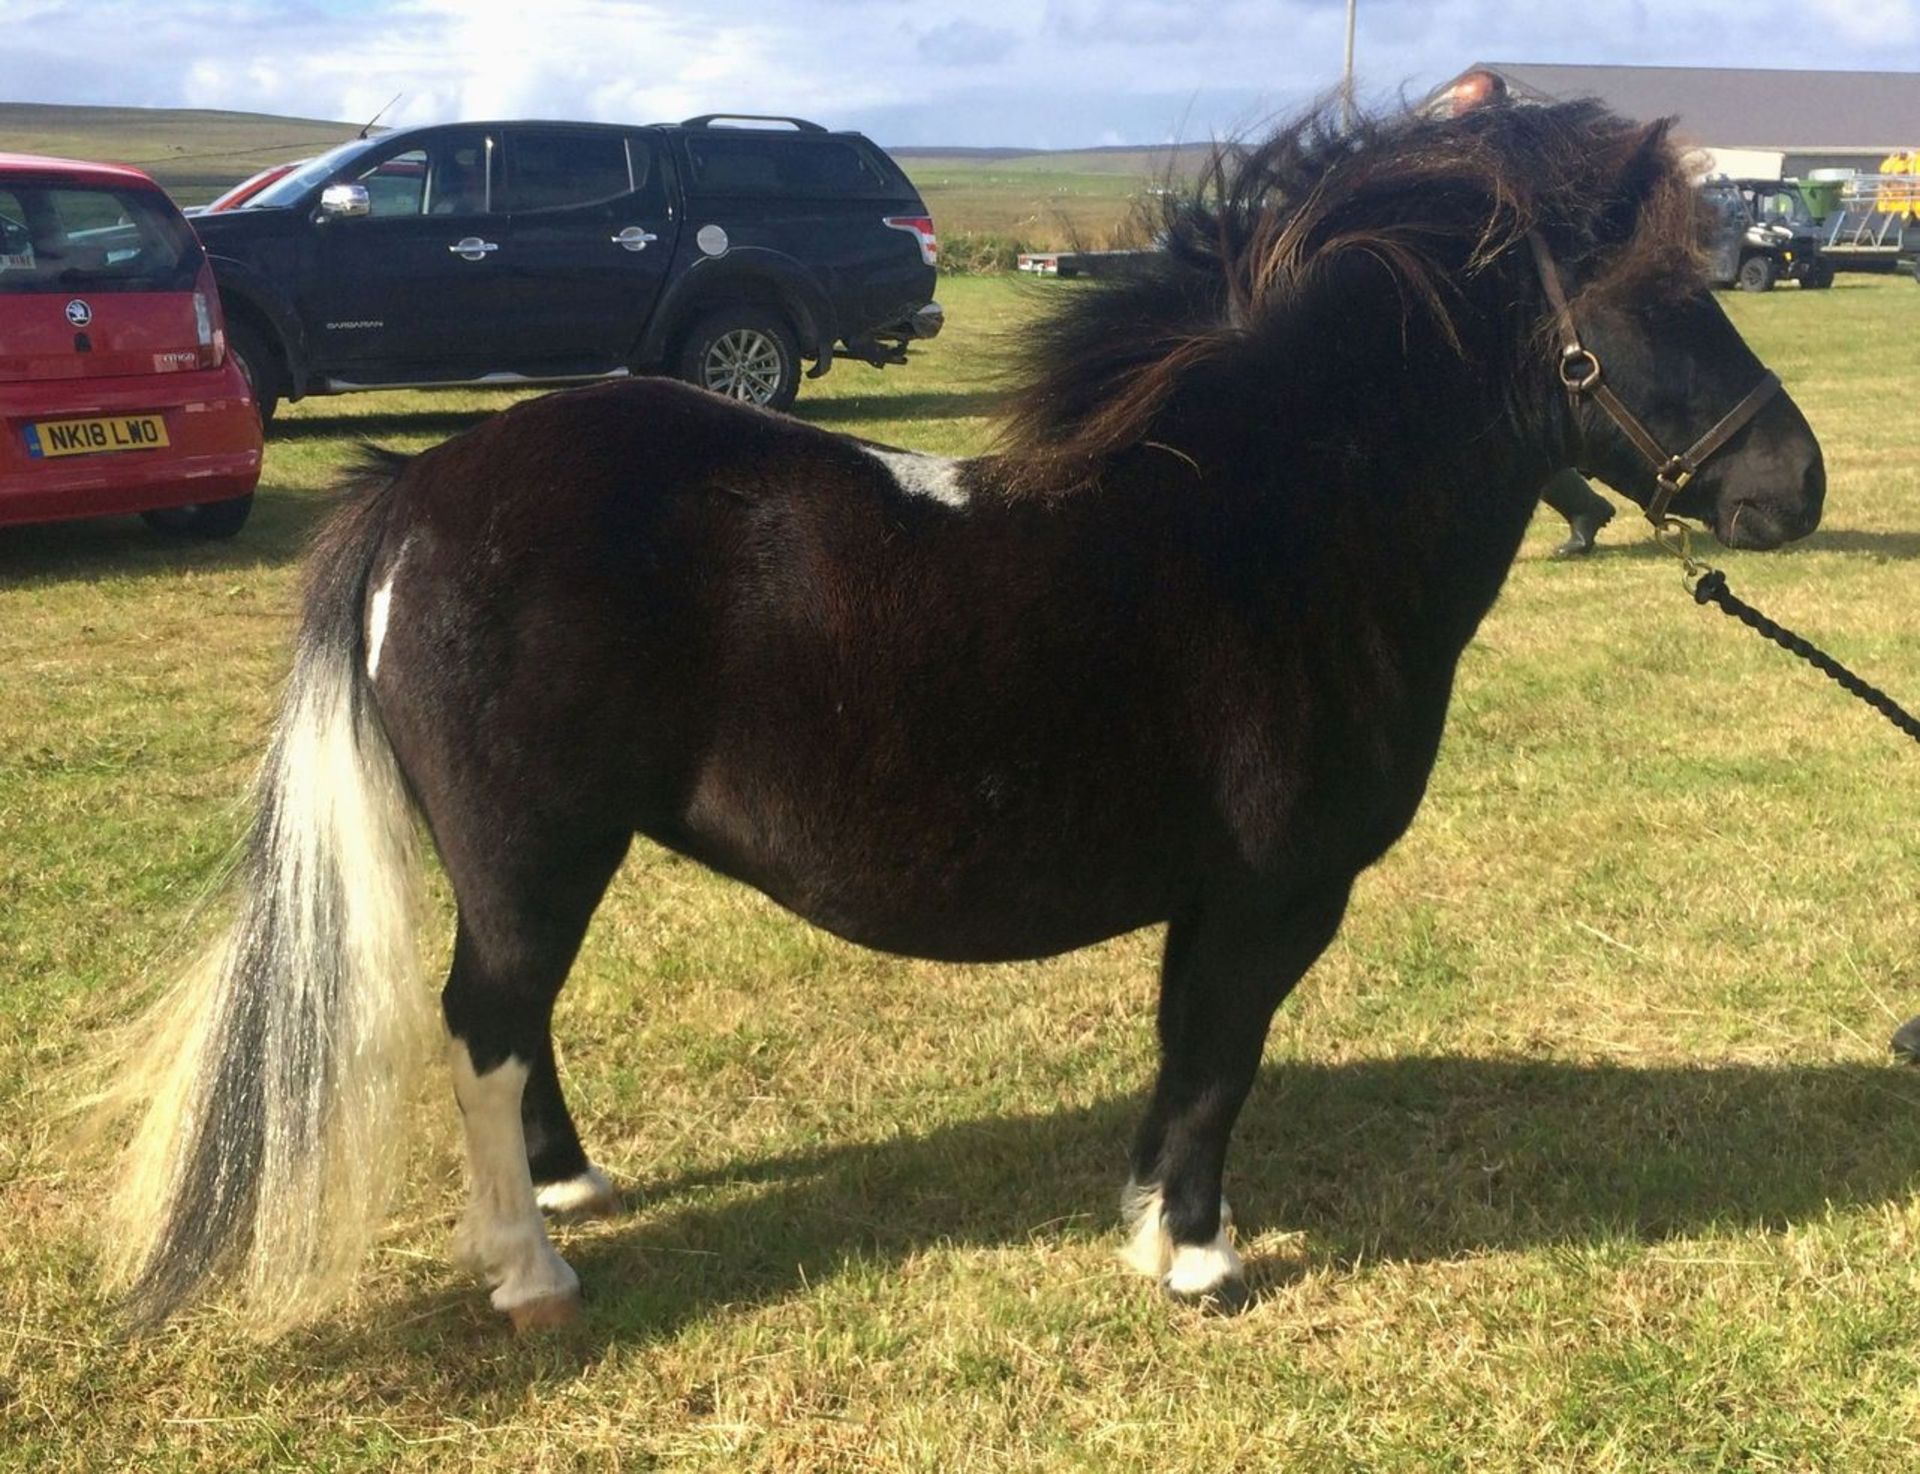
[1579,1149]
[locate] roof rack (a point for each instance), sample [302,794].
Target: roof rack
[707,120]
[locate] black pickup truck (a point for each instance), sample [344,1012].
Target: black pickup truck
[485,253]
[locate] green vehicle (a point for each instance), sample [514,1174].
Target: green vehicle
[1762,233]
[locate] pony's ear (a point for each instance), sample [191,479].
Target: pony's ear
[1646,163]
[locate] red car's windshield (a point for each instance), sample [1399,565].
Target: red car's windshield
[73,237]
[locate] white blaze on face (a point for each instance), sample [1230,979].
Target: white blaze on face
[934,477]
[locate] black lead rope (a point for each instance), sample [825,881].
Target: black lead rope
[1711,588]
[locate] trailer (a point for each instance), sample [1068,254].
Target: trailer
[1875,223]
[1078,263]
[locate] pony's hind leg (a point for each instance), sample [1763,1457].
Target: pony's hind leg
[1224,973]
[517,937]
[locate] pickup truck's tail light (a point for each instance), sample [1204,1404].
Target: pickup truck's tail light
[209,327]
[920,227]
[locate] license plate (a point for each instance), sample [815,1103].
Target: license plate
[49,438]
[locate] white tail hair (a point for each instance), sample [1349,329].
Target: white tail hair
[273,1076]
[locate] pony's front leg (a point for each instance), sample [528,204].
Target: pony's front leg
[564,1181]
[1226,969]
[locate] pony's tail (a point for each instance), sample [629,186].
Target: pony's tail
[273,1077]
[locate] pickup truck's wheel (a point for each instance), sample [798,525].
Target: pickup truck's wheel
[745,353]
[203,519]
[257,362]
[1757,274]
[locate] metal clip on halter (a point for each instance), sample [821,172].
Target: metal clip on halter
[1677,538]
[1579,368]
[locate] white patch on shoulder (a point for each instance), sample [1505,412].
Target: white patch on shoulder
[379,610]
[934,477]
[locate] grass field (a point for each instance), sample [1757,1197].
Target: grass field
[1579,1150]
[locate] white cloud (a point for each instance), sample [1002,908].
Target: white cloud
[1871,22]
[991,71]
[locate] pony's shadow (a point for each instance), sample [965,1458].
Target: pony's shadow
[1412,1159]
[1859,541]
[276,533]
[442,423]
[438,423]
[1853,542]
[915,405]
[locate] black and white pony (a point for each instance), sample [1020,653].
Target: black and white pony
[1181,652]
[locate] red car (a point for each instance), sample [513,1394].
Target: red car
[117,393]
[246,189]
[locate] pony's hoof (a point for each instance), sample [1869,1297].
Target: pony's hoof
[1906,1041]
[548,1313]
[1229,1297]
[589,1195]
[1209,1276]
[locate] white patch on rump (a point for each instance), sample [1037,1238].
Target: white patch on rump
[502,1236]
[935,477]
[379,609]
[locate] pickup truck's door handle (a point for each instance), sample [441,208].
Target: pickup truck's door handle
[633,238]
[472,248]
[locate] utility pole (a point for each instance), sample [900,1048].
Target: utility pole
[1346,86]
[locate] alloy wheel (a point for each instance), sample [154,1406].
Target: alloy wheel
[744,364]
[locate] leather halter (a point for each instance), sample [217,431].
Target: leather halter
[1580,374]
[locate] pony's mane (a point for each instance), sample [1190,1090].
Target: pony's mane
[1433,201]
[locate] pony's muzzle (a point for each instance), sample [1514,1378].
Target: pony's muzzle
[1766,517]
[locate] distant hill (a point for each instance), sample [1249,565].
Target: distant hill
[1121,159]
[1039,197]
[195,153]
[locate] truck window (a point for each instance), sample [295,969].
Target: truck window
[737,163]
[552,169]
[449,176]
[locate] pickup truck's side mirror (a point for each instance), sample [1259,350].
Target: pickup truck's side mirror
[344,201]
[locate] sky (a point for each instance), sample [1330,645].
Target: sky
[1033,73]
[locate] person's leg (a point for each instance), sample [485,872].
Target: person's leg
[1584,508]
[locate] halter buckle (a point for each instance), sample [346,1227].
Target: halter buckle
[1668,482]
[1579,368]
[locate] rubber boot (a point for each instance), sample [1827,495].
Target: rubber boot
[1906,1041]
[1586,511]
[1582,529]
